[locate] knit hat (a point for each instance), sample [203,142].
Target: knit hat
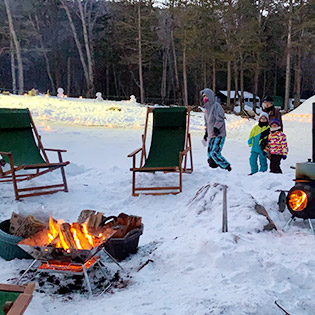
[275,121]
[268,99]
[263,114]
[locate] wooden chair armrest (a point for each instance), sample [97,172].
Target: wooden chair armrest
[55,150]
[134,152]
[5,153]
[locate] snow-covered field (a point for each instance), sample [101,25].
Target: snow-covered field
[196,268]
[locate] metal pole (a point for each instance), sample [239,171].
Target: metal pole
[113,259]
[311,225]
[87,280]
[26,271]
[224,216]
[288,223]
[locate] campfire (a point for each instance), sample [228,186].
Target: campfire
[73,248]
[74,242]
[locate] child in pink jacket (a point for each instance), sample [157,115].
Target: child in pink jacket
[277,146]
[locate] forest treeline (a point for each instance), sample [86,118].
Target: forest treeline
[161,52]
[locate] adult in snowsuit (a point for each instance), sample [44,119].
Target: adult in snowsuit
[258,140]
[272,112]
[215,130]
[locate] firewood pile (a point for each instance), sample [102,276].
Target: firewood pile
[25,226]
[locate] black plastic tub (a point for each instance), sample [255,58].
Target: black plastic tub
[9,248]
[120,248]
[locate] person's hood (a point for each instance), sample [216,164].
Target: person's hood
[210,96]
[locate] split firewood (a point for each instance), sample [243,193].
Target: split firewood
[99,219]
[29,227]
[134,222]
[67,235]
[84,215]
[123,219]
[80,235]
[15,222]
[121,231]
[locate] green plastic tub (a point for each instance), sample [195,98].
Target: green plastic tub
[8,244]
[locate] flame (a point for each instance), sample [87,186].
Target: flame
[298,200]
[75,237]
[86,234]
[80,234]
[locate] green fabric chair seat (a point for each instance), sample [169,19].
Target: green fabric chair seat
[7,296]
[16,136]
[168,137]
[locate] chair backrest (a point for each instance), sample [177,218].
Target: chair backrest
[168,137]
[16,136]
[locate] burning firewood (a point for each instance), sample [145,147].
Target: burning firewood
[81,238]
[66,237]
[29,226]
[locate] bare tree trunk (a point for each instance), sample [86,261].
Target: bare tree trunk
[185,77]
[107,79]
[87,49]
[13,66]
[68,75]
[255,86]
[17,48]
[77,42]
[175,65]
[288,62]
[164,72]
[242,81]
[214,75]
[36,26]
[297,94]
[140,56]
[235,80]
[275,79]
[115,81]
[264,82]
[228,99]
[204,72]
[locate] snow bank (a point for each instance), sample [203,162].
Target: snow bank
[305,108]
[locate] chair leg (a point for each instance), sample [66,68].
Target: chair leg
[180,173]
[63,173]
[134,183]
[16,192]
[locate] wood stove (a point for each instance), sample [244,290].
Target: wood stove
[301,197]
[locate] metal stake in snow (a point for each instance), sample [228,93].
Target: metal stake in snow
[224,216]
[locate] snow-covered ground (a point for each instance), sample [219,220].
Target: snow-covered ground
[196,268]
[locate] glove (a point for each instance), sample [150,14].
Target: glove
[284,157]
[216,131]
[205,137]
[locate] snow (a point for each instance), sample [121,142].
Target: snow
[196,268]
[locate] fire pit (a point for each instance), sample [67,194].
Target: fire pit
[68,248]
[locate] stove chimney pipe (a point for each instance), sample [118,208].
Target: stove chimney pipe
[313,133]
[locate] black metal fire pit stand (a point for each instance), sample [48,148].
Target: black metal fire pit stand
[294,218]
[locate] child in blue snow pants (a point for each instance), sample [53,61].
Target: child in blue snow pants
[258,140]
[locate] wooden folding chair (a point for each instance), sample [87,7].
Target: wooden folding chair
[19,148]
[169,150]
[14,299]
